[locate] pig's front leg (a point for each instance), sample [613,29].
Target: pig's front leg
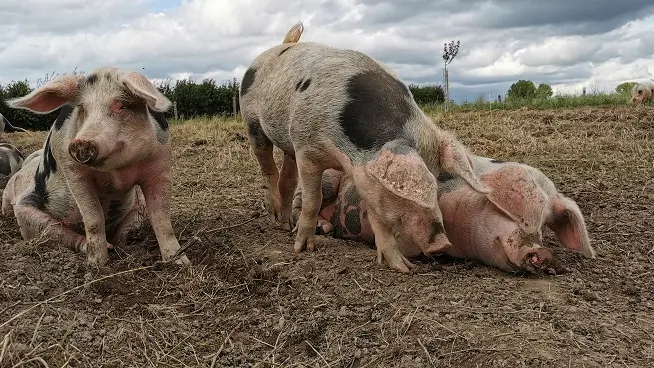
[387,246]
[156,191]
[85,193]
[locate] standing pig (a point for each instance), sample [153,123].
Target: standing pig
[641,93]
[11,159]
[333,108]
[110,139]
[502,229]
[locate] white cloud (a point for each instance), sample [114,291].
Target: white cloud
[568,46]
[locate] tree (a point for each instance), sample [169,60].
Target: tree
[625,88]
[544,91]
[449,53]
[525,89]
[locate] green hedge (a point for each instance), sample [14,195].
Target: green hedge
[193,99]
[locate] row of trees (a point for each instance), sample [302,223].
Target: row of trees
[192,98]
[527,90]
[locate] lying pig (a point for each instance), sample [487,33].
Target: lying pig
[5,126]
[332,108]
[502,229]
[109,142]
[641,93]
[11,159]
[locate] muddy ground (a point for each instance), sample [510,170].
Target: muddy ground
[249,300]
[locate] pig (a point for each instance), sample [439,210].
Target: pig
[334,108]
[11,159]
[5,126]
[641,93]
[106,156]
[501,229]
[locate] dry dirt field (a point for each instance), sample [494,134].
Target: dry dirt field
[249,300]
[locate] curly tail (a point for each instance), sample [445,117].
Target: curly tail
[293,35]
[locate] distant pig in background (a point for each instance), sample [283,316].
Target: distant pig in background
[5,126]
[641,93]
[11,159]
[501,229]
[107,154]
[332,108]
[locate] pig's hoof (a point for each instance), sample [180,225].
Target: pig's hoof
[183,260]
[303,241]
[97,260]
[395,261]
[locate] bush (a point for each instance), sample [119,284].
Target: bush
[522,90]
[428,94]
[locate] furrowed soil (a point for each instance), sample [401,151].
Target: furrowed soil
[249,300]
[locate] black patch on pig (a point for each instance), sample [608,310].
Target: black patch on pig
[160,118]
[115,211]
[328,191]
[352,196]
[5,167]
[445,176]
[303,85]
[494,161]
[436,229]
[257,134]
[39,196]
[283,51]
[353,221]
[64,113]
[247,81]
[92,79]
[377,110]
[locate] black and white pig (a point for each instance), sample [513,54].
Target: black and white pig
[332,108]
[106,156]
[5,126]
[11,159]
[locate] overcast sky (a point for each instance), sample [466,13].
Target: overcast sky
[566,43]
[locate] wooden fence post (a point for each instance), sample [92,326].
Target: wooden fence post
[234,105]
[175,109]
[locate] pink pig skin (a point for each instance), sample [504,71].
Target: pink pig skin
[501,229]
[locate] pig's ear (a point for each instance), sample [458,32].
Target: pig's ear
[568,224]
[518,195]
[454,159]
[142,87]
[405,175]
[48,97]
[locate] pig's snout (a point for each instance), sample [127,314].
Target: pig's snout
[440,244]
[84,152]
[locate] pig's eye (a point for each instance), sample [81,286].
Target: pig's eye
[124,107]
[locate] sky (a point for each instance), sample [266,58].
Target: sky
[568,44]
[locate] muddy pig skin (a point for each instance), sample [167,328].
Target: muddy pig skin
[105,163]
[501,229]
[333,108]
[11,159]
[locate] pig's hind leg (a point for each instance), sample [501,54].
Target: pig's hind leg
[310,175]
[262,147]
[35,223]
[287,184]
